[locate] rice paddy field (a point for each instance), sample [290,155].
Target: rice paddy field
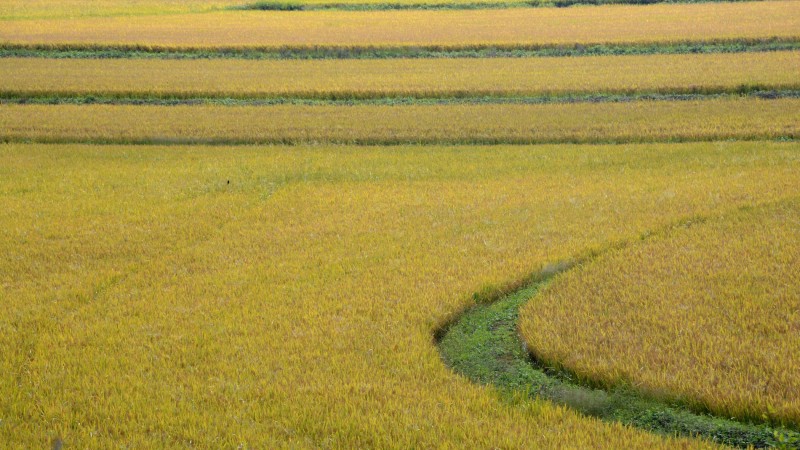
[628,24]
[419,78]
[731,285]
[232,225]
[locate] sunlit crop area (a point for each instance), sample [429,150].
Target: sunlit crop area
[663,23]
[295,305]
[376,78]
[38,9]
[228,228]
[708,314]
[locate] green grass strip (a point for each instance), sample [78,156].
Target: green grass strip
[344,100]
[294,6]
[484,345]
[78,51]
[384,142]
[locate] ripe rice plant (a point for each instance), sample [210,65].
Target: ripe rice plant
[707,315]
[286,296]
[419,78]
[643,121]
[283,286]
[39,9]
[663,24]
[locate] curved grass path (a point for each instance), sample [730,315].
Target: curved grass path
[483,344]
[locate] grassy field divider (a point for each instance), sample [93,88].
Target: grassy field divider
[25,98]
[103,51]
[436,6]
[384,142]
[397,97]
[483,343]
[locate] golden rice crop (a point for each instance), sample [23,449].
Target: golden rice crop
[287,296]
[708,314]
[663,23]
[400,77]
[38,9]
[745,118]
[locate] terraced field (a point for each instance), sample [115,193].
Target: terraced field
[723,292]
[384,124]
[740,22]
[386,78]
[227,227]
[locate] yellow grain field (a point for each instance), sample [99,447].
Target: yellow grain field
[663,23]
[709,314]
[400,77]
[39,9]
[642,121]
[287,296]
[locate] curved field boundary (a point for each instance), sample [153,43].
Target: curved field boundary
[80,51]
[484,345]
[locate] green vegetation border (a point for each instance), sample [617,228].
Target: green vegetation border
[484,345]
[388,6]
[79,51]
[347,99]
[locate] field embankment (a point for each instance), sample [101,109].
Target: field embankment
[77,51]
[484,345]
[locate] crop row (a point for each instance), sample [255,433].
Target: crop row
[420,78]
[614,24]
[708,315]
[641,121]
[41,9]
